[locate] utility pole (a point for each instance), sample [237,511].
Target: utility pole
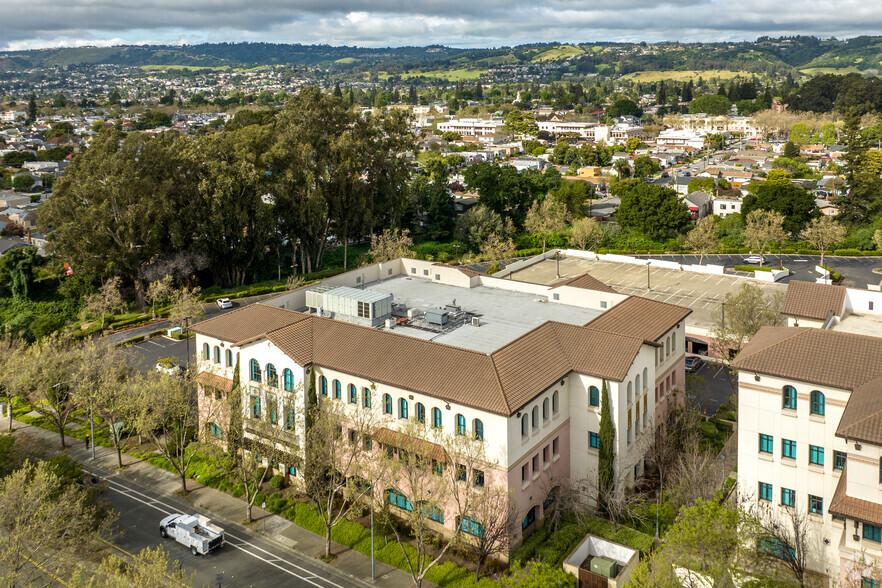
[187,337]
[648,285]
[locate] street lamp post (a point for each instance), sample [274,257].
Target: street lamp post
[91,423]
[373,575]
[187,338]
[648,284]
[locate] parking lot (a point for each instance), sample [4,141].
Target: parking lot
[147,353]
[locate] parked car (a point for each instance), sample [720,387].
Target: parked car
[225,303]
[755,259]
[168,366]
[693,364]
[193,531]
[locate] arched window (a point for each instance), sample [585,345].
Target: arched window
[535,417]
[593,396]
[288,379]
[366,397]
[645,378]
[630,392]
[460,425]
[255,371]
[338,389]
[387,404]
[817,401]
[549,499]
[436,418]
[229,358]
[545,410]
[217,354]
[420,412]
[215,431]
[323,385]
[431,511]
[789,397]
[529,519]
[402,408]
[637,385]
[479,429]
[398,499]
[470,526]
[353,394]
[555,401]
[524,426]
[206,351]
[272,378]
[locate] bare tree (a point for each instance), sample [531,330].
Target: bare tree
[702,238]
[185,304]
[545,218]
[46,380]
[163,408]
[149,568]
[494,510]
[496,247]
[763,227]
[338,448]
[391,244]
[107,300]
[587,231]
[741,315]
[697,474]
[780,536]
[159,291]
[824,233]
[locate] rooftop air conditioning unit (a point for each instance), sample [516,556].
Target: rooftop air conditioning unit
[390,323]
[412,312]
[476,322]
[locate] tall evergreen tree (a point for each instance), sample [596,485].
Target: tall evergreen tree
[661,96]
[32,108]
[479,90]
[412,97]
[337,92]
[863,198]
[607,455]
[688,95]
[311,399]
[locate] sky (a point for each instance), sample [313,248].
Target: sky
[456,23]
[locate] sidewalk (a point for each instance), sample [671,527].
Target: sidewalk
[223,507]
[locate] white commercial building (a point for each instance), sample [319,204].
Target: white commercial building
[472,127]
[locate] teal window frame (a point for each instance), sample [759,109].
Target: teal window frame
[871,532]
[366,397]
[765,491]
[460,425]
[254,370]
[816,504]
[403,408]
[529,518]
[593,440]
[788,448]
[288,379]
[437,422]
[816,455]
[338,389]
[396,498]
[420,413]
[788,497]
[839,459]
[593,396]
[217,354]
[323,385]
[818,403]
[766,443]
[479,429]
[788,397]
[255,406]
[353,394]
[471,526]
[272,376]
[229,358]
[387,404]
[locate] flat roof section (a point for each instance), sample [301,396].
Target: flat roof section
[504,315]
[702,293]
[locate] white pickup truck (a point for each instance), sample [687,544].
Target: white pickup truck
[193,531]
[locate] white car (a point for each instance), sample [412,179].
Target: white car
[755,259]
[225,303]
[167,366]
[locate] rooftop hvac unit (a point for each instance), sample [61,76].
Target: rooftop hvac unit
[437,316]
[605,567]
[476,322]
[412,312]
[390,323]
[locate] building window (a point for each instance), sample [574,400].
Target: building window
[872,532]
[229,358]
[788,497]
[288,380]
[594,440]
[817,403]
[206,352]
[765,491]
[215,431]
[461,473]
[603,304]
[255,370]
[217,354]
[366,397]
[338,389]
[529,519]
[425,272]
[396,498]
[387,404]
[556,296]
[420,413]
[545,410]
[323,385]
[788,448]
[525,472]
[525,428]
[460,425]
[432,512]
[535,417]
[555,447]
[546,456]
[353,394]
[869,582]
[789,397]
[292,471]
[593,396]
[436,418]
[479,429]
[472,527]
[478,476]
[255,407]
[555,402]
[766,444]
[839,458]
[816,455]
[272,407]
[289,418]
[402,408]
[816,504]
[272,378]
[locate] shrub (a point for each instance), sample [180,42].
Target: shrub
[752,268]
[493,268]
[847,252]
[277,481]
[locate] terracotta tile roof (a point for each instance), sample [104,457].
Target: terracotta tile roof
[586,282]
[246,323]
[813,301]
[640,317]
[849,507]
[828,358]
[862,418]
[215,381]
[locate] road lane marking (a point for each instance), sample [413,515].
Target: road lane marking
[129,492]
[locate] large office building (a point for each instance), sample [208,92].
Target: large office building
[519,365]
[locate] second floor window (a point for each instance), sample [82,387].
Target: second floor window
[460,425]
[436,418]
[272,378]
[254,371]
[353,394]
[593,440]
[420,413]
[788,497]
[817,403]
[765,491]
[872,532]
[387,404]
[593,396]
[789,397]
[479,429]
[288,377]
[323,385]
[839,458]
[402,408]
[366,397]
[255,407]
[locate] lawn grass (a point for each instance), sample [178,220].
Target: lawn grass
[682,76]
[558,53]
[453,75]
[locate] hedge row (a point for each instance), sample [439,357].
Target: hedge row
[752,268]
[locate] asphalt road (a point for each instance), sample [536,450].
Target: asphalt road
[245,560]
[713,391]
[857,269]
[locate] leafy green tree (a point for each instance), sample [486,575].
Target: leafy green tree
[824,233]
[545,218]
[706,538]
[796,204]
[828,134]
[645,166]
[574,194]
[624,107]
[558,154]
[712,104]
[800,134]
[520,122]
[606,450]
[476,225]
[654,210]
[863,198]
[17,271]
[23,182]
[706,185]
[791,150]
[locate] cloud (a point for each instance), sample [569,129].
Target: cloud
[54,23]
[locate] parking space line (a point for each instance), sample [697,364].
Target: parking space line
[155,343]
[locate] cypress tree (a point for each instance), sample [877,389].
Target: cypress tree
[235,433]
[311,399]
[338,93]
[605,468]
[32,108]
[661,97]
